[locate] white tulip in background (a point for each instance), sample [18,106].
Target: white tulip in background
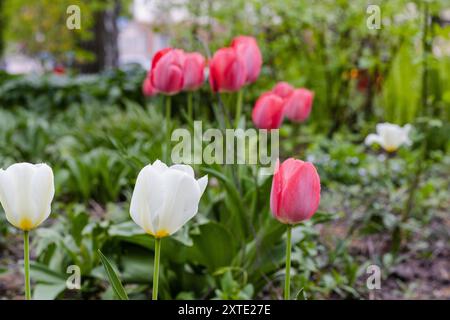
[26,194]
[390,136]
[165,198]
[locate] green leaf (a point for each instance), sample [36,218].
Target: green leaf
[41,273]
[48,291]
[234,204]
[113,278]
[214,247]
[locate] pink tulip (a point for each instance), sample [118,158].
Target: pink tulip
[167,71]
[298,106]
[147,88]
[247,47]
[283,89]
[193,70]
[268,111]
[295,194]
[226,71]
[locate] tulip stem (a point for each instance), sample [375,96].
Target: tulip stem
[287,281]
[168,118]
[238,108]
[26,264]
[189,106]
[156,268]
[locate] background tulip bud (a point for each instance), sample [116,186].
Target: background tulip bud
[167,72]
[165,198]
[194,67]
[268,111]
[248,49]
[390,136]
[227,71]
[283,89]
[298,105]
[295,194]
[26,193]
[147,88]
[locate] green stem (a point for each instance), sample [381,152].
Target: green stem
[156,268]
[224,112]
[238,108]
[189,107]
[26,259]
[168,119]
[388,165]
[287,281]
[415,182]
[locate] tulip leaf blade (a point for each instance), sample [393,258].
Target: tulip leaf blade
[219,255]
[114,280]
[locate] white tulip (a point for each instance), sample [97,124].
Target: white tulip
[390,136]
[26,194]
[165,198]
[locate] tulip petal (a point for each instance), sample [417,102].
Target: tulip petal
[373,138]
[301,195]
[43,190]
[193,70]
[275,193]
[7,198]
[167,71]
[248,49]
[182,194]
[283,89]
[290,167]
[406,130]
[184,168]
[21,174]
[268,111]
[298,105]
[159,166]
[147,199]
[227,70]
[202,183]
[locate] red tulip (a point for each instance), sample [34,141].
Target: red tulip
[147,88]
[298,106]
[295,194]
[283,89]
[268,111]
[194,66]
[167,71]
[227,71]
[247,47]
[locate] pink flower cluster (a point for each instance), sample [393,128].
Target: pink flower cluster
[282,101]
[295,194]
[174,70]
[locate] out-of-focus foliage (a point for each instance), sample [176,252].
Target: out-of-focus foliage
[326,46]
[39,27]
[53,93]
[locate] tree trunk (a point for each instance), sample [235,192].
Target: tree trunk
[104,45]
